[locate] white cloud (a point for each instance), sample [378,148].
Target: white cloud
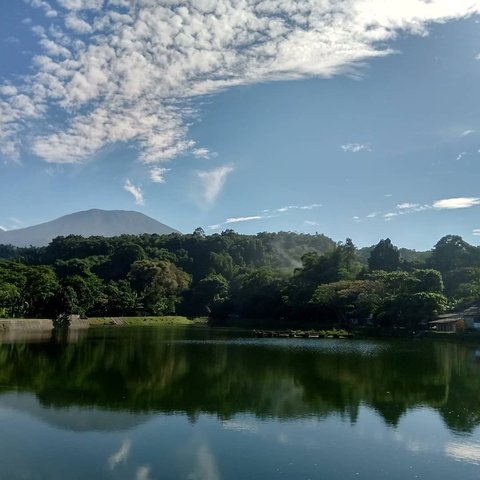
[455,203]
[401,209]
[138,65]
[460,156]
[311,223]
[203,153]
[8,90]
[477,57]
[81,4]
[216,226]
[466,133]
[213,182]
[476,232]
[45,6]
[403,206]
[299,207]
[243,219]
[3,229]
[135,191]
[268,214]
[121,455]
[77,24]
[157,174]
[355,147]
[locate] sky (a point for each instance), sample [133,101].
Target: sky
[351,118]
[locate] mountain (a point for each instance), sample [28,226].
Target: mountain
[105,223]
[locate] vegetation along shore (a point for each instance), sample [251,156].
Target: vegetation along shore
[283,278]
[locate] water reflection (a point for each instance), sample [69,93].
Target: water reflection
[464,452]
[143,371]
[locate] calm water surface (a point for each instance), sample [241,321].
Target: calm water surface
[201,404]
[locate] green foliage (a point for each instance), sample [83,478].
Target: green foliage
[269,275]
[158,284]
[410,310]
[452,252]
[384,256]
[346,298]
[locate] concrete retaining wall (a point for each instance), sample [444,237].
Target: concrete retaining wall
[7,324]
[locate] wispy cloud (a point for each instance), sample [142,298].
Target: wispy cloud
[466,133]
[157,174]
[203,153]
[135,191]
[213,182]
[267,213]
[476,232]
[355,147]
[455,203]
[12,224]
[131,73]
[311,223]
[460,156]
[244,219]
[11,39]
[299,207]
[407,208]
[84,4]
[45,6]
[404,208]
[407,205]
[231,220]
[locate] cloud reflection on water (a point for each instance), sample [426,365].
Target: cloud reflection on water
[463,452]
[121,455]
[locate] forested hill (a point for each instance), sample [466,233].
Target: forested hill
[268,275]
[95,222]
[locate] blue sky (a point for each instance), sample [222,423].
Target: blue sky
[356,118]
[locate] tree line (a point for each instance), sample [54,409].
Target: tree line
[283,275]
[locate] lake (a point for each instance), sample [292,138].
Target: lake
[196,403]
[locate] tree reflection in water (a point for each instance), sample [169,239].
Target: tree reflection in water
[195,371]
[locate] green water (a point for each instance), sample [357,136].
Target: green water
[204,404]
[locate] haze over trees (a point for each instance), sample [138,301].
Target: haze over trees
[282,275]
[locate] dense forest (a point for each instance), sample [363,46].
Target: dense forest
[284,275]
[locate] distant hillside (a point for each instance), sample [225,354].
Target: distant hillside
[105,223]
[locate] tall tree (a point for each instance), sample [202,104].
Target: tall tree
[384,256]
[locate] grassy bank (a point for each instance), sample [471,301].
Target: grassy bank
[145,321]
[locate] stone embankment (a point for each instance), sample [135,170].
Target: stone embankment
[8,324]
[16,324]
